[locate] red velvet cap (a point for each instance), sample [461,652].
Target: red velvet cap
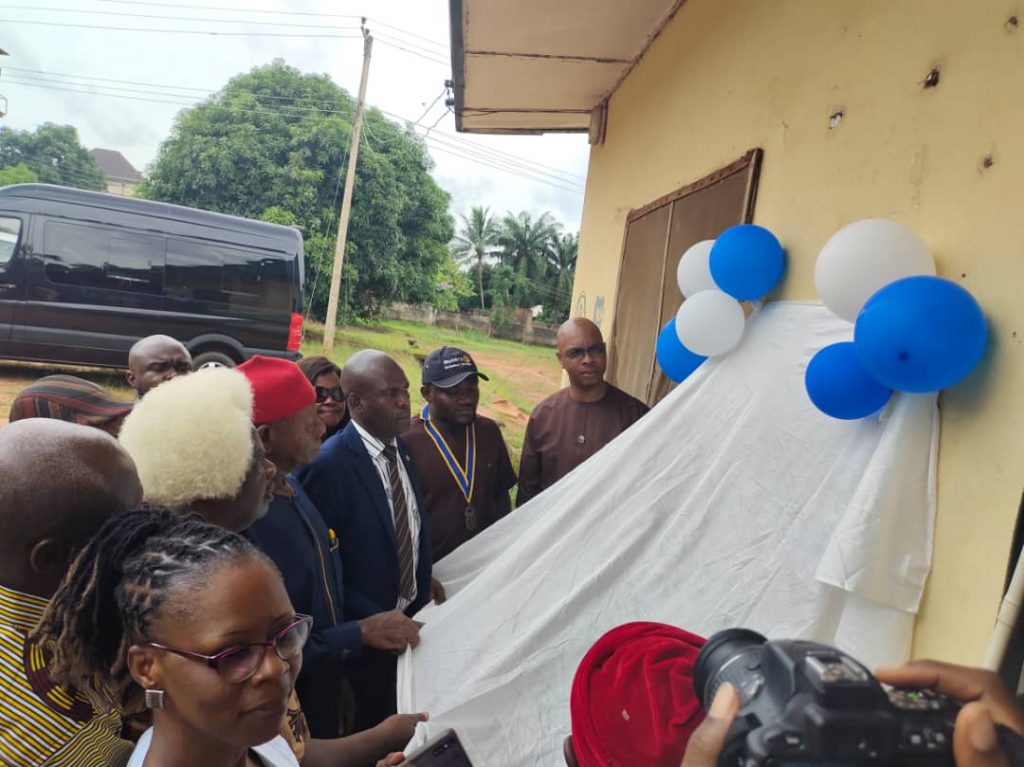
[279,388]
[632,699]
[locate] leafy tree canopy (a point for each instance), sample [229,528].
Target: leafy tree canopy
[18,174]
[273,144]
[53,153]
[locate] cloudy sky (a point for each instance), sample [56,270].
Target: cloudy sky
[119,72]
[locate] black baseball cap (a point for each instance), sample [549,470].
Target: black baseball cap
[447,367]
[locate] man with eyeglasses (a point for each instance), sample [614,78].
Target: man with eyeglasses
[572,425]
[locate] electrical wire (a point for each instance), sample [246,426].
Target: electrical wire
[450,137]
[443,142]
[207,32]
[372,20]
[162,17]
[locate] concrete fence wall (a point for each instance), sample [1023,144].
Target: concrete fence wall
[521,328]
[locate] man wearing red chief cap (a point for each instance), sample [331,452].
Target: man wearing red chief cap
[293,534]
[632,700]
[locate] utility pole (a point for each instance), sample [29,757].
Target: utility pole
[346,201]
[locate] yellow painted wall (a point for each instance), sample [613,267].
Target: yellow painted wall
[729,75]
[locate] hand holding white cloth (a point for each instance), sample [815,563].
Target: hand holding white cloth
[733,503]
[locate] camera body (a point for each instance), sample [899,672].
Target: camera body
[805,702]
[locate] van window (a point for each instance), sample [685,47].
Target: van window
[10,228]
[206,272]
[92,257]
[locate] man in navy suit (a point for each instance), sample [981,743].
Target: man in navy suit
[365,487]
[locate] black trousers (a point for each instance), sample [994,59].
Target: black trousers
[373,677]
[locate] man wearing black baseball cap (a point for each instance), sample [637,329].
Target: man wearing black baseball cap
[460,457]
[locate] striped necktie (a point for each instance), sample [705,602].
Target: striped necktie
[402,533]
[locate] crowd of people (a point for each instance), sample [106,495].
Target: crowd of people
[224,571]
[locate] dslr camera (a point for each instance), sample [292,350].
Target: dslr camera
[804,702]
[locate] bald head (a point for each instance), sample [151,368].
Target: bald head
[573,328]
[58,483]
[377,393]
[154,360]
[581,351]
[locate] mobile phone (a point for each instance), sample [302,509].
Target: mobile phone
[443,750]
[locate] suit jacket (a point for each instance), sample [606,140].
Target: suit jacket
[344,485]
[294,535]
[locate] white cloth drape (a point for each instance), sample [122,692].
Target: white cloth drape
[733,503]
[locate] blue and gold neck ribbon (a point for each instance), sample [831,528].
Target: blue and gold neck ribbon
[464,476]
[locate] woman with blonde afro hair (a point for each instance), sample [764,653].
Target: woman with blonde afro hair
[196,450]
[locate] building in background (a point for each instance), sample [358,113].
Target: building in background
[801,116]
[121,176]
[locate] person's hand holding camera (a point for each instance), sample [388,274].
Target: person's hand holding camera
[986,704]
[708,739]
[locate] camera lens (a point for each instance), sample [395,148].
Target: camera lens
[716,662]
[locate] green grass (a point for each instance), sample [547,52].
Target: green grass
[521,375]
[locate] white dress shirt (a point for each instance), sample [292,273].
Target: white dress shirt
[376,450]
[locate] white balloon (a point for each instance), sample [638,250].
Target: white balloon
[862,258]
[710,323]
[693,274]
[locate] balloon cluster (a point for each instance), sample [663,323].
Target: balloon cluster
[743,264]
[913,331]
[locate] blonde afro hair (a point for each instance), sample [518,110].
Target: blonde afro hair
[191,438]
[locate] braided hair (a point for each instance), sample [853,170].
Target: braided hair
[117,585]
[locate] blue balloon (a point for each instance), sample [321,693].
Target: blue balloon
[676,361]
[746,261]
[920,334]
[839,386]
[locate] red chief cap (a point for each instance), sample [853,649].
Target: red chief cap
[633,700]
[279,388]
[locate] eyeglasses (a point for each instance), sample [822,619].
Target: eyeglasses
[335,393]
[575,352]
[239,663]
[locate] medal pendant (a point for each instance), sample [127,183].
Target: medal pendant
[470,517]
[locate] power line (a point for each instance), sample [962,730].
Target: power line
[468,147]
[522,172]
[437,122]
[391,44]
[427,110]
[163,17]
[475,146]
[373,21]
[206,32]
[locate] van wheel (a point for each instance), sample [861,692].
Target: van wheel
[205,360]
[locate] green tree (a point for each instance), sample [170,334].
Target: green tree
[17,174]
[453,286]
[53,153]
[562,262]
[475,241]
[273,143]
[525,244]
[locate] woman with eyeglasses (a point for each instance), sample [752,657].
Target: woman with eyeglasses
[170,613]
[330,399]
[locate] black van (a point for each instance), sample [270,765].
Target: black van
[84,275]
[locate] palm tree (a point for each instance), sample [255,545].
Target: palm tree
[562,258]
[525,243]
[475,241]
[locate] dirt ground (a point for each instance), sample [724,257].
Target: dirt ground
[520,376]
[15,376]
